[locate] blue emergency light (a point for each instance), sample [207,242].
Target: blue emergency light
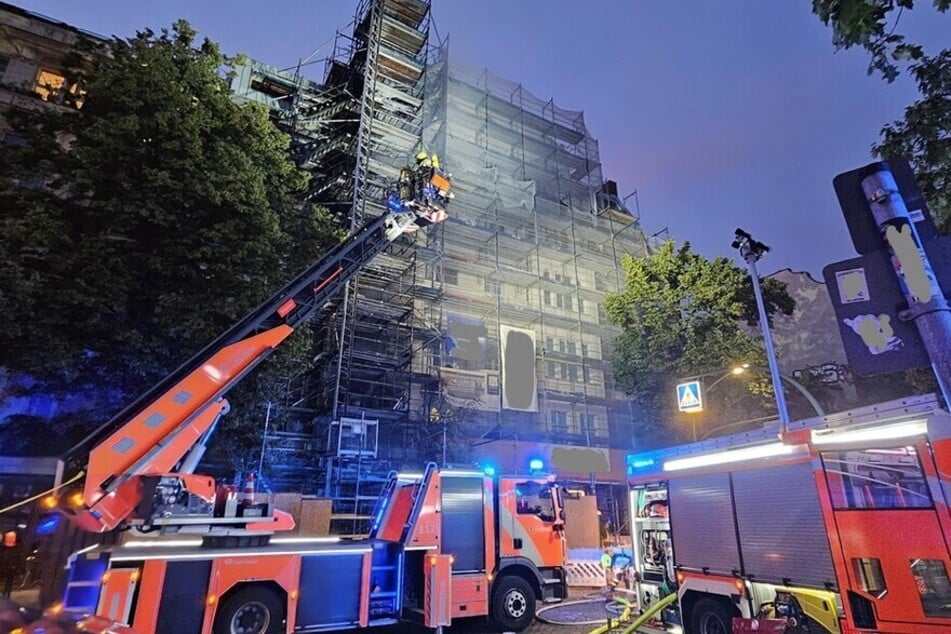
[535,464]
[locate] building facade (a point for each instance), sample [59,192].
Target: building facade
[484,341]
[32,48]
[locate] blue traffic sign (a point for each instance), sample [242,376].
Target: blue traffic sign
[689,398]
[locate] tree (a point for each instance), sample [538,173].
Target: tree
[923,135]
[135,228]
[865,23]
[682,315]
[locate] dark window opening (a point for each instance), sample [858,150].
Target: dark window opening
[271,88]
[934,588]
[868,571]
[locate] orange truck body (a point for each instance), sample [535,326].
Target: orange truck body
[840,522]
[445,544]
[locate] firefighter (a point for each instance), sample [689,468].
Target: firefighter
[607,563]
[426,167]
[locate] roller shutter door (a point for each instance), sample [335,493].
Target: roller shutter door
[781,528]
[701,520]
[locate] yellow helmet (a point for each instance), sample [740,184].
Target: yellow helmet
[422,156]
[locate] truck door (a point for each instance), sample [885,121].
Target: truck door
[893,550]
[531,522]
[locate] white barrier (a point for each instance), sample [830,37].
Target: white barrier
[584,574]
[583,568]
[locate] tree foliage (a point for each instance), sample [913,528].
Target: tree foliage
[872,24]
[682,315]
[925,133]
[924,136]
[136,228]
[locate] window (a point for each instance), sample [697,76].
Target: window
[3,65]
[450,276]
[876,479]
[934,589]
[48,84]
[868,571]
[532,498]
[13,140]
[559,421]
[594,424]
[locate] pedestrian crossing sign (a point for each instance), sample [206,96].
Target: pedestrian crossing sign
[689,398]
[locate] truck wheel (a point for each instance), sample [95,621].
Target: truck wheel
[251,610]
[513,604]
[709,616]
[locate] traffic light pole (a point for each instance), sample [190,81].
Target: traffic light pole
[927,305]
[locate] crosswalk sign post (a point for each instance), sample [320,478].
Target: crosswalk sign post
[689,398]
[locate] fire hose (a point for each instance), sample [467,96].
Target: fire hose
[639,621]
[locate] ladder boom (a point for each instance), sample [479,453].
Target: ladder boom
[154,433]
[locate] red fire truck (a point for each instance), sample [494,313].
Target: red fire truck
[835,524]
[444,545]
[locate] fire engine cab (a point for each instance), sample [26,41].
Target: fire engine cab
[834,524]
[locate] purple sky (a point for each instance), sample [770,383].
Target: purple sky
[721,114]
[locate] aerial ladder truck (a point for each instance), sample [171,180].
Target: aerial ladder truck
[444,543]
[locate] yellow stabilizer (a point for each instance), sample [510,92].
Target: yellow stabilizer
[818,605]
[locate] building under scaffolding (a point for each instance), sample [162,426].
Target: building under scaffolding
[418,358]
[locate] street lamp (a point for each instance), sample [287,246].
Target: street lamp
[745,367]
[796,384]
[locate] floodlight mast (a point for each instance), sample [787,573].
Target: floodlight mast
[751,251]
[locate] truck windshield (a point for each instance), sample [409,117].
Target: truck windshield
[535,498]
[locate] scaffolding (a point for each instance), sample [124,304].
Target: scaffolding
[533,243]
[353,132]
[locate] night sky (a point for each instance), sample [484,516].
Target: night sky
[720,113]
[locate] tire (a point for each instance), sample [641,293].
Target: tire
[710,616]
[250,610]
[513,604]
